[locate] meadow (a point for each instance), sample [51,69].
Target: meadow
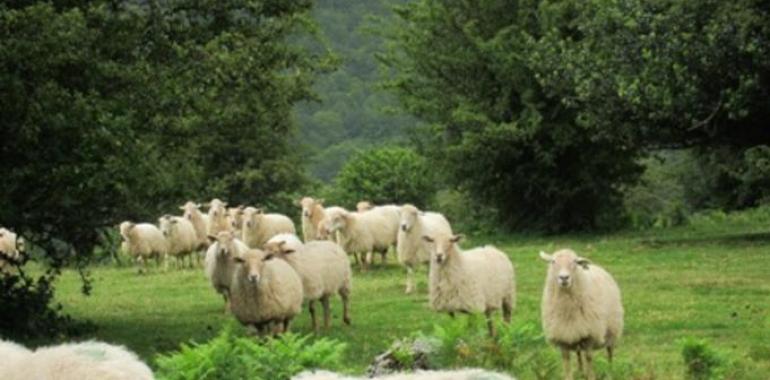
[705,280]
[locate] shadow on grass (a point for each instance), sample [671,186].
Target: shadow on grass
[740,239]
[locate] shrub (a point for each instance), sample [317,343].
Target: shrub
[231,356]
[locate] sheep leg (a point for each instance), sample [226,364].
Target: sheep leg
[286,323]
[369,258]
[327,311]
[579,360]
[311,309]
[589,372]
[384,257]
[409,279]
[345,295]
[507,309]
[452,314]
[565,364]
[490,324]
[609,354]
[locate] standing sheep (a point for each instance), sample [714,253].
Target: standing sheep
[581,309]
[180,237]
[264,291]
[143,241]
[362,232]
[217,217]
[324,269]
[219,264]
[199,221]
[11,247]
[73,361]
[472,281]
[258,227]
[312,216]
[411,249]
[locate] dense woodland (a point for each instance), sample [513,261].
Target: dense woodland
[529,115]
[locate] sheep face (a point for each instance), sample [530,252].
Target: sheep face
[189,209]
[441,247]
[125,229]
[308,205]
[251,217]
[333,223]
[167,225]
[563,267]
[253,262]
[409,216]
[225,244]
[235,217]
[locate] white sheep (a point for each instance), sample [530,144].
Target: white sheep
[235,218]
[181,238]
[312,216]
[219,263]
[472,281]
[143,241]
[217,217]
[264,291]
[365,232]
[364,206]
[411,249]
[199,220]
[457,374]
[11,246]
[259,227]
[322,233]
[73,361]
[324,269]
[581,309]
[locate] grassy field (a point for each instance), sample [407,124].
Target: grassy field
[708,280]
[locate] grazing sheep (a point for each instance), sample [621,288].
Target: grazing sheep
[410,248]
[581,309]
[74,361]
[11,246]
[258,227]
[324,269]
[472,281]
[312,216]
[264,291]
[219,265]
[144,241]
[217,217]
[364,206]
[363,232]
[457,374]
[181,238]
[199,220]
[235,218]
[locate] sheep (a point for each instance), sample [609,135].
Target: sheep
[73,361]
[457,374]
[235,218]
[477,280]
[581,309]
[259,227]
[180,236]
[312,216]
[11,247]
[219,265]
[143,241]
[217,217]
[322,233]
[364,206]
[264,291]
[324,269]
[410,248]
[363,232]
[199,220]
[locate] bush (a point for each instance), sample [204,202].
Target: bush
[658,200]
[231,356]
[701,361]
[382,176]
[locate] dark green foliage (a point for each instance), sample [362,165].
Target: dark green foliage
[659,200]
[701,361]
[389,175]
[230,356]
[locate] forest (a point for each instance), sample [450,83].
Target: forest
[628,124]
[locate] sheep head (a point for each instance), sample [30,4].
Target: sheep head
[441,247]
[252,263]
[409,216]
[564,265]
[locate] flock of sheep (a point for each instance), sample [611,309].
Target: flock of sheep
[265,272]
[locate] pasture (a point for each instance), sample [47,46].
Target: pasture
[707,280]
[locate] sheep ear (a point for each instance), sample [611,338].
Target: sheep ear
[212,238]
[545,256]
[457,238]
[239,260]
[269,256]
[182,208]
[287,251]
[583,262]
[427,239]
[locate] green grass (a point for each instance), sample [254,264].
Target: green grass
[708,280]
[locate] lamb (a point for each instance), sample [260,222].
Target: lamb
[581,309]
[143,241]
[259,227]
[264,291]
[217,217]
[219,264]
[324,269]
[180,236]
[11,247]
[458,374]
[472,281]
[312,216]
[364,232]
[364,206]
[199,220]
[410,248]
[74,361]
